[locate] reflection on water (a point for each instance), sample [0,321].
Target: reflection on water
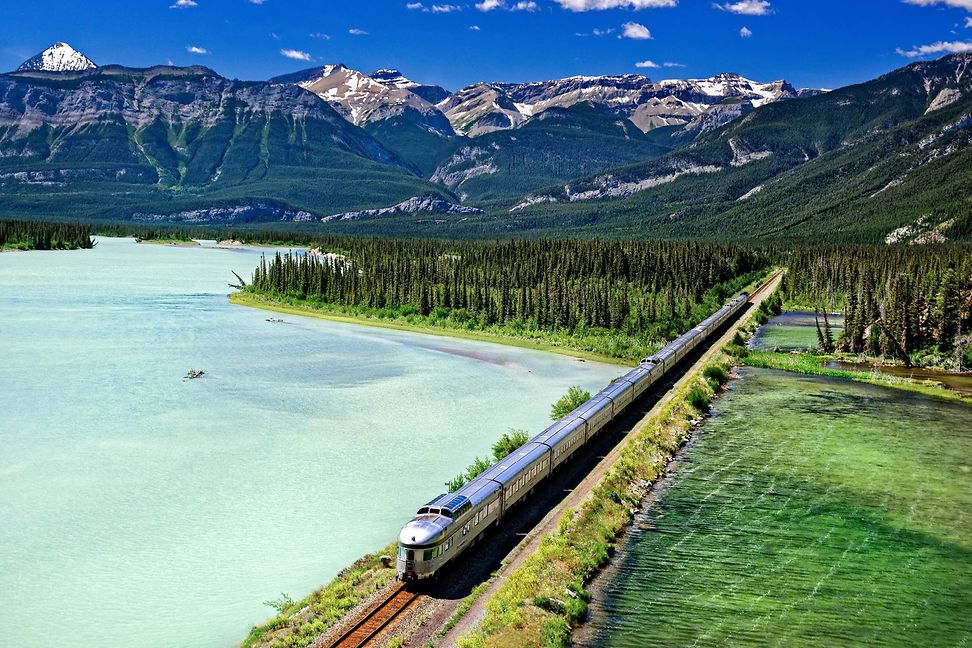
[960,382]
[140,509]
[793,331]
[811,511]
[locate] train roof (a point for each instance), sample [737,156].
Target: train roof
[559,430]
[519,459]
[478,490]
[593,406]
[615,389]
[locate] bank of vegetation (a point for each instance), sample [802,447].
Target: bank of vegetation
[32,235]
[299,623]
[620,299]
[545,596]
[907,303]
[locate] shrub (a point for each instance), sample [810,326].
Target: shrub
[736,350]
[509,442]
[574,398]
[717,373]
[698,399]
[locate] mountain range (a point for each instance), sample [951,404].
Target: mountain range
[622,155]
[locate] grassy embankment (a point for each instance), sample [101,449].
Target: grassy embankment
[300,622]
[815,363]
[545,596]
[597,344]
[595,347]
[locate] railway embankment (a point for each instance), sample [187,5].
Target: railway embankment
[541,594]
[316,619]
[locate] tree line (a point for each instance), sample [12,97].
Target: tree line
[897,301]
[34,235]
[648,289]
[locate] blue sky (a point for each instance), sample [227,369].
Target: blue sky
[817,43]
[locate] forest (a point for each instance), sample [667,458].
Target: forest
[32,235]
[907,302]
[616,298]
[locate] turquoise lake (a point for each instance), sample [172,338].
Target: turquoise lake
[141,509]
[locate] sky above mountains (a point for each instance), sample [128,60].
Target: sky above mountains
[821,43]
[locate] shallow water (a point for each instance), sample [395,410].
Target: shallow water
[140,509]
[793,331]
[810,511]
[960,382]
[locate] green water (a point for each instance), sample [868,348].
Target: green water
[793,331]
[139,509]
[811,511]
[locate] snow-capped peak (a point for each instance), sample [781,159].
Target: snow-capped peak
[392,79]
[59,57]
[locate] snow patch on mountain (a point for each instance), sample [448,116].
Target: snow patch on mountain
[607,186]
[59,57]
[415,205]
[469,162]
[486,107]
[529,201]
[742,156]
[361,99]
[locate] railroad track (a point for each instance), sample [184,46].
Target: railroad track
[766,284]
[369,626]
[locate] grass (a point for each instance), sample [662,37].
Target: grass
[812,363]
[574,346]
[297,624]
[545,596]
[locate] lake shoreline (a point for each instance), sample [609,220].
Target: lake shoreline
[262,303]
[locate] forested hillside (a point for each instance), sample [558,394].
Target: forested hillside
[184,144]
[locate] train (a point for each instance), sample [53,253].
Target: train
[444,528]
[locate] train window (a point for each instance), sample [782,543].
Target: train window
[427,554]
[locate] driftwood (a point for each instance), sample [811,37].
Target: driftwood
[194,373]
[242,283]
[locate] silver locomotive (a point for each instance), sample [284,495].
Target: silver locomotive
[442,529]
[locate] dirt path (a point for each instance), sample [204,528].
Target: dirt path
[574,499]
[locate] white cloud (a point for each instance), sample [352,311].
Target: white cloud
[257,2]
[414,6]
[598,5]
[635,31]
[320,36]
[183,4]
[968,23]
[473,27]
[274,35]
[192,49]
[445,8]
[745,32]
[354,31]
[670,64]
[522,5]
[959,4]
[747,7]
[941,47]
[602,32]
[646,64]
[297,55]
